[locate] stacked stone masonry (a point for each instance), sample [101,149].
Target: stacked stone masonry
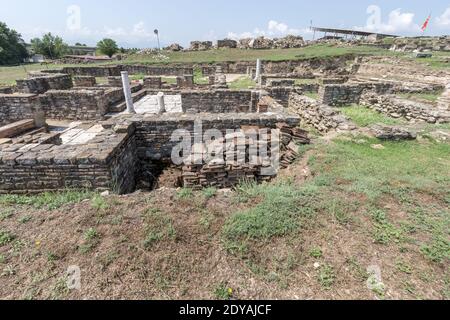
[346,94]
[125,153]
[40,83]
[84,81]
[402,108]
[107,162]
[322,117]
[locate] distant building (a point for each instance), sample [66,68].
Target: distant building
[344,33]
[35,58]
[72,50]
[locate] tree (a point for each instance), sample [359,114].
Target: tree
[12,47]
[52,47]
[108,47]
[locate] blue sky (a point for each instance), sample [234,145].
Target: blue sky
[132,22]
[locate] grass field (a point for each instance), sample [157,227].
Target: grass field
[439,60]
[316,51]
[364,117]
[9,75]
[427,97]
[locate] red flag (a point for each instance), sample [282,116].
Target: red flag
[425,25]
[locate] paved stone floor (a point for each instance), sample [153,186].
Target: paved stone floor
[149,104]
[78,133]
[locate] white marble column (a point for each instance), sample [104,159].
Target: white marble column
[127,92]
[161,103]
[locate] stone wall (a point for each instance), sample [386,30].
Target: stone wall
[6,90]
[97,71]
[153,134]
[74,104]
[84,81]
[158,70]
[322,117]
[402,108]
[214,100]
[15,107]
[114,71]
[281,94]
[339,95]
[217,101]
[40,83]
[106,163]
[346,94]
[280,82]
[153,82]
[115,82]
[128,150]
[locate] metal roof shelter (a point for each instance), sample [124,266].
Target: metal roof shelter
[353,33]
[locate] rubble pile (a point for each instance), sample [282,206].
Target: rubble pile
[231,162]
[175,47]
[289,42]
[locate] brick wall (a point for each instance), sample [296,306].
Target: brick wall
[114,71]
[40,83]
[15,107]
[74,104]
[345,94]
[106,163]
[84,81]
[217,101]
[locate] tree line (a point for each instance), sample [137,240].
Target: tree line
[13,49]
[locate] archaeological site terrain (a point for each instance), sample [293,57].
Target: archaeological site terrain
[250,170]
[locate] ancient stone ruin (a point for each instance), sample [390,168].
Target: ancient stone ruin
[62,129]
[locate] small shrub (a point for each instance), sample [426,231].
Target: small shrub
[316,253]
[49,200]
[99,203]
[91,234]
[91,238]
[185,193]
[159,227]
[5,237]
[209,193]
[6,215]
[25,219]
[438,251]
[404,267]
[223,292]
[327,276]
[384,231]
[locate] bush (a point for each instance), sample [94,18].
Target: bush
[108,47]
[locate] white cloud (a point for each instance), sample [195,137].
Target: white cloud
[444,19]
[398,21]
[140,31]
[274,29]
[137,34]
